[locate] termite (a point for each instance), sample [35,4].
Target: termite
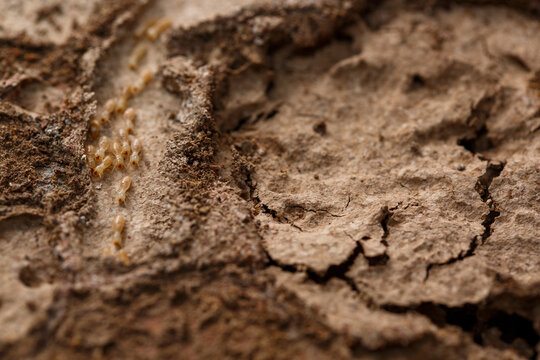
[118,226]
[122,133]
[138,53]
[110,105]
[103,146]
[119,159]
[129,116]
[123,187]
[147,75]
[140,83]
[129,113]
[94,129]
[158,28]
[141,31]
[121,105]
[136,151]
[137,86]
[105,117]
[126,147]
[122,101]
[100,169]
[108,110]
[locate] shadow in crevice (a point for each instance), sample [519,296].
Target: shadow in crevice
[488,327]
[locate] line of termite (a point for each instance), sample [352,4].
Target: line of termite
[124,150]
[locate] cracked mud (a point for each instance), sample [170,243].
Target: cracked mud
[319,179]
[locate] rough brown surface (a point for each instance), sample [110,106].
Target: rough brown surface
[320,179]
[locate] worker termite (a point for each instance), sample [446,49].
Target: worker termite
[137,86]
[122,133]
[136,151]
[105,164]
[129,116]
[141,31]
[122,101]
[105,117]
[117,151]
[118,223]
[126,147]
[147,75]
[103,146]
[129,113]
[138,53]
[123,187]
[126,94]
[94,129]
[118,226]
[140,83]
[90,156]
[110,105]
[158,28]
[129,126]
[121,104]
[108,110]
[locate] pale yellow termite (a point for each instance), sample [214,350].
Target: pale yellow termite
[129,116]
[117,151]
[108,110]
[129,126]
[158,28]
[105,164]
[118,223]
[118,227]
[121,104]
[146,75]
[110,105]
[103,147]
[130,113]
[126,147]
[141,31]
[122,133]
[136,56]
[136,152]
[123,187]
[142,80]
[104,117]
[122,101]
[137,86]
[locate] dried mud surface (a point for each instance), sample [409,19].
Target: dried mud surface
[320,179]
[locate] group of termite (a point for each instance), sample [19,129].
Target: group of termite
[124,150]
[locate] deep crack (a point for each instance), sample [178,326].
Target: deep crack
[334,271]
[493,170]
[462,255]
[483,183]
[385,215]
